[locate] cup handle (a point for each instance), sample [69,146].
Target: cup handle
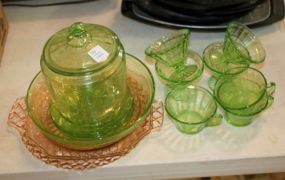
[271,89]
[215,120]
[270,92]
[212,82]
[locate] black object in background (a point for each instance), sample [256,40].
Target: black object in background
[155,9]
[39,3]
[217,8]
[212,16]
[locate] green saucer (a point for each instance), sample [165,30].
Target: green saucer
[216,62]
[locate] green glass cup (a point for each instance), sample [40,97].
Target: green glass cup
[244,95]
[216,62]
[242,46]
[175,64]
[192,108]
[243,117]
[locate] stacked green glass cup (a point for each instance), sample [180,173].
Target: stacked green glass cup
[244,96]
[242,91]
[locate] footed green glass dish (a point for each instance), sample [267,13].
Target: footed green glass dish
[215,60]
[238,51]
[179,75]
[141,84]
[175,64]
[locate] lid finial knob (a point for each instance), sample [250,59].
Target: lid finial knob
[78,36]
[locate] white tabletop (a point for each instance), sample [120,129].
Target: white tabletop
[222,150]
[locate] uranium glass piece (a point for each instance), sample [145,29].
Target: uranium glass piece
[192,108]
[242,46]
[85,71]
[184,73]
[264,102]
[244,96]
[69,50]
[239,118]
[241,91]
[216,62]
[175,64]
[171,49]
[142,87]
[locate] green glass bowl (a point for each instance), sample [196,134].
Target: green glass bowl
[192,108]
[185,73]
[142,87]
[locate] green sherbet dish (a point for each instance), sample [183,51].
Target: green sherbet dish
[175,63]
[185,74]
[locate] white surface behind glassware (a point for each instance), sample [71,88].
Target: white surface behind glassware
[221,150]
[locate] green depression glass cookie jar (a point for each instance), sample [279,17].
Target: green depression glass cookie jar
[85,70]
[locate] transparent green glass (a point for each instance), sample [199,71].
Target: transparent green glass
[244,96]
[217,63]
[90,96]
[142,85]
[239,49]
[242,46]
[244,117]
[190,71]
[175,64]
[171,49]
[192,108]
